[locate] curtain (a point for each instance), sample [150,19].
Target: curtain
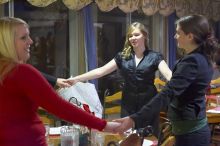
[90,40]
[107,5]
[217,30]
[4,1]
[41,3]
[172,41]
[209,8]
[76,4]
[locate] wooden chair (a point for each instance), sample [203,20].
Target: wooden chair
[45,117]
[132,139]
[159,84]
[170,141]
[215,90]
[165,136]
[112,104]
[215,81]
[214,86]
[213,120]
[215,135]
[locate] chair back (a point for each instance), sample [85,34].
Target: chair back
[159,84]
[165,131]
[170,141]
[112,104]
[137,139]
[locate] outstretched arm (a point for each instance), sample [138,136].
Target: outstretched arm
[40,93]
[96,73]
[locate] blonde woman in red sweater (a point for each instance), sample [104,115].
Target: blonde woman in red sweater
[23,89]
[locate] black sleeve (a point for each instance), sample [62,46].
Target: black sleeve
[51,79]
[158,58]
[152,109]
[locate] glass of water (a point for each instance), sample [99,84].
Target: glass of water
[69,136]
[97,138]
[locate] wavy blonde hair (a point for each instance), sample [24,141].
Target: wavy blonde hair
[8,54]
[126,52]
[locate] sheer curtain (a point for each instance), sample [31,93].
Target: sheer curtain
[82,62]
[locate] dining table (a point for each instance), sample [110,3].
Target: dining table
[213,109]
[213,115]
[109,140]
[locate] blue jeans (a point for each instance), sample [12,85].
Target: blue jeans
[200,137]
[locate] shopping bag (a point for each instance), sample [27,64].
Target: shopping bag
[85,96]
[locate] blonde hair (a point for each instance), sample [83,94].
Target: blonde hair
[126,52]
[8,54]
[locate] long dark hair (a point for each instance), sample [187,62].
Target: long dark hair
[203,34]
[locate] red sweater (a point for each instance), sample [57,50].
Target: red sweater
[22,92]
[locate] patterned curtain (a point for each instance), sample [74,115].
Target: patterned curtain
[150,7]
[82,62]
[106,5]
[76,4]
[3,1]
[128,6]
[41,3]
[209,8]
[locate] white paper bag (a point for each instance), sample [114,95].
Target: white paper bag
[85,93]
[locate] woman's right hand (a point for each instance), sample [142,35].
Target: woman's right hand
[111,127]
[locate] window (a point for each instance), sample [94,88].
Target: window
[49,31]
[110,31]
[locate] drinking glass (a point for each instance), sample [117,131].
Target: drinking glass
[69,136]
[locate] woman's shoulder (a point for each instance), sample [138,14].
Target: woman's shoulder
[25,68]
[21,72]
[118,55]
[152,52]
[195,59]
[195,56]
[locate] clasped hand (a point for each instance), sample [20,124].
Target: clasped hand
[119,126]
